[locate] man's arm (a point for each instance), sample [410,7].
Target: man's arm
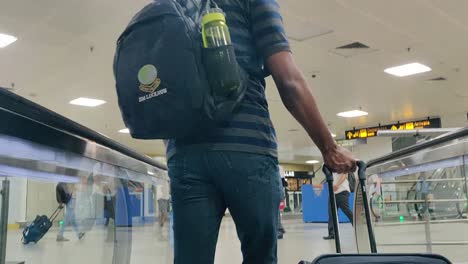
[300,102]
[272,45]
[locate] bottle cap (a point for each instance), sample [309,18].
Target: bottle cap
[210,17]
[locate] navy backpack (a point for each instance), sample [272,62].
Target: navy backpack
[161,81]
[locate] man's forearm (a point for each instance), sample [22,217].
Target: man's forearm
[299,100]
[301,104]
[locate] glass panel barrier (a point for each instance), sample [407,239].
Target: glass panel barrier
[109,207]
[105,203]
[419,201]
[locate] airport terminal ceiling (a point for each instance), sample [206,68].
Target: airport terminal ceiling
[65,51]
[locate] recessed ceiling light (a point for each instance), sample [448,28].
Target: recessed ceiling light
[333,135]
[150,173]
[352,113]
[6,40]
[125,131]
[89,102]
[312,161]
[407,69]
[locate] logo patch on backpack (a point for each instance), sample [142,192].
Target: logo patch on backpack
[148,77]
[149,82]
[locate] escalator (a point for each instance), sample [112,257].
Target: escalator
[445,189]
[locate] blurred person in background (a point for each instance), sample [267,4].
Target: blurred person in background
[109,204]
[342,190]
[64,195]
[283,185]
[163,198]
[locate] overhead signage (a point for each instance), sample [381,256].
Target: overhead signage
[372,131]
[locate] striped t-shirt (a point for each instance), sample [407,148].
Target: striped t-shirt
[257,32]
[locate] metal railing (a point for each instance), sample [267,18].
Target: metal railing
[422,185]
[42,145]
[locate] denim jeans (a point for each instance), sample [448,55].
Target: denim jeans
[69,218]
[204,184]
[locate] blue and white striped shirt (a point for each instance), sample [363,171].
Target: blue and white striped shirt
[257,32]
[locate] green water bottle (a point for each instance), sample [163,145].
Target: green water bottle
[218,54]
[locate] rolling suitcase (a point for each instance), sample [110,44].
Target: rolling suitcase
[39,227]
[373,258]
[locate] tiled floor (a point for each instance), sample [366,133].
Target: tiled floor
[302,241]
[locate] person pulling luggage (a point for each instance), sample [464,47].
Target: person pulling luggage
[208,89]
[65,199]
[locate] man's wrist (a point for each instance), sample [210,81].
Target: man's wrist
[328,148]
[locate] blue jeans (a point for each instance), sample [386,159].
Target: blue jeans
[69,218]
[204,184]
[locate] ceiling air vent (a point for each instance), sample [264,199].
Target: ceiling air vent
[354,45]
[437,79]
[352,49]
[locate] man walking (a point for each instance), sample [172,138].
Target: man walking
[235,165]
[341,189]
[283,185]
[163,197]
[65,199]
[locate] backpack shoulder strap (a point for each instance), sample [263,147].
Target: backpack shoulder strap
[195,8]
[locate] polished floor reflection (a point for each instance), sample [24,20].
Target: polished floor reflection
[153,245]
[301,242]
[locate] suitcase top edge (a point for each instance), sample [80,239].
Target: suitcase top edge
[421,255]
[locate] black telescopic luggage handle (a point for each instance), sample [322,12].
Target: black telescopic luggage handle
[55,213]
[333,210]
[334,214]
